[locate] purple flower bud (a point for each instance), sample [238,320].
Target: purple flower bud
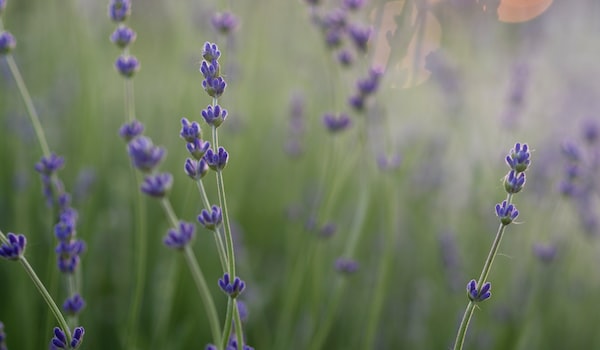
[214,116]
[77,339]
[211,220]
[360,36]
[506,212]
[74,304]
[571,151]
[224,22]
[189,131]
[157,185]
[369,85]
[211,52]
[210,70]
[214,87]
[591,131]
[243,310]
[195,169]
[216,160]
[353,5]
[180,237]
[14,248]
[7,43]
[59,341]
[144,155]
[475,294]
[336,124]
[127,66]
[129,131]
[65,227]
[123,36]
[49,165]
[345,58]
[119,10]
[198,148]
[346,265]
[357,102]
[514,183]
[210,347]
[518,158]
[233,289]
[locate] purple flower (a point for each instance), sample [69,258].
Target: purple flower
[518,158]
[545,252]
[127,66]
[591,131]
[157,185]
[189,131]
[14,248]
[335,19]
[360,36]
[214,87]
[243,310]
[119,10]
[211,220]
[198,148]
[369,85]
[214,116]
[345,58]
[123,36]
[7,43]
[59,341]
[144,155]
[233,289]
[353,5]
[506,212]
[211,52]
[74,304]
[475,294]
[195,169]
[210,70]
[216,160]
[68,255]
[224,22]
[65,227]
[336,124]
[346,265]
[328,230]
[514,182]
[49,165]
[129,131]
[180,237]
[333,37]
[210,347]
[571,151]
[357,102]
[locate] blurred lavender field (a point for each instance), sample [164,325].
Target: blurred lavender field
[348,236]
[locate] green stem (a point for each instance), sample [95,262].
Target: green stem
[238,325]
[43,291]
[487,266]
[217,232]
[227,325]
[35,119]
[205,295]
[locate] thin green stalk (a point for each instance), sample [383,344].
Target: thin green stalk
[464,324]
[205,295]
[238,325]
[44,292]
[227,324]
[217,232]
[31,111]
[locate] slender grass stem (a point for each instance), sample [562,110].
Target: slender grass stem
[464,324]
[43,291]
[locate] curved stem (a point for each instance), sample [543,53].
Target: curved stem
[464,325]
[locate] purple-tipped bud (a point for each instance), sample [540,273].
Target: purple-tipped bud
[333,38]
[214,87]
[144,154]
[514,182]
[127,66]
[68,255]
[74,304]
[211,52]
[189,131]
[7,43]
[195,169]
[49,165]
[345,58]
[233,289]
[211,220]
[59,341]
[198,148]
[129,131]
[210,347]
[216,160]
[214,116]
[506,212]
[336,123]
[77,339]
[180,237]
[119,10]
[518,158]
[369,85]
[357,102]
[328,230]
[360,36]
[346,266]
[475,294]
[157,185]
[210,70]
[591,131]
[123,36]
[65,227]
[224,22]
[14,248]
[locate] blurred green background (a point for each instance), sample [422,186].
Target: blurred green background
[423,228]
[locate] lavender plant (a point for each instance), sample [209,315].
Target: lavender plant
[479,290]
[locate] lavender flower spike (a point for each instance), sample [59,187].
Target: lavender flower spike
[180,237]
[49,165]
[211,220]
[475,294]
[518,159]
[15,248]
[233,289]
[127,66]
[195,169]
[123,36]
[129,131]
[157,185]
[74,304]
[7,43]
[211,52]
[59,341]
[119,10]
[198,148]
[506,212]
[224,22]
